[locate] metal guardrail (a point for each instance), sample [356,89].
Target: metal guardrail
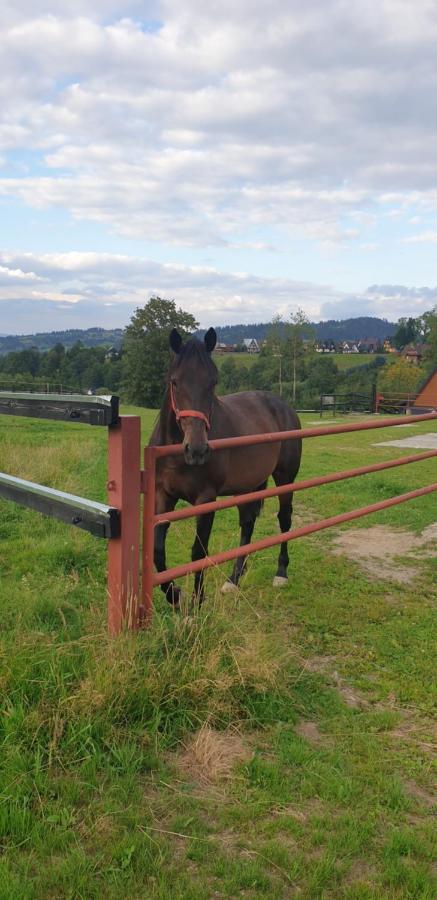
[97,518]
[87,410]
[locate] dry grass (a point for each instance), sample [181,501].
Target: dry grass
[210,755]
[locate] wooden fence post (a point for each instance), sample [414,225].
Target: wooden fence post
[124,474]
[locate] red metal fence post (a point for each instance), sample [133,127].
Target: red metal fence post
[124,552]
[148,534]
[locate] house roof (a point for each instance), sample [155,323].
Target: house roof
[427,381]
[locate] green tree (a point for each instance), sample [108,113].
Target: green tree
[429,320]
[230,378]
[300,340]
[399,377]
[276,345]
[407,332]
[146,351]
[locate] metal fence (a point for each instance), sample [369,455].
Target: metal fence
[346,403]
[129,601]
[150,519]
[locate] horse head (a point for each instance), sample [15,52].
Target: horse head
[192,380]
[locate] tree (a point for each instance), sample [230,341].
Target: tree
[146,351]
[408,331]
[399,377]
[276,345]
[230,376]
[299,329]
[430,336]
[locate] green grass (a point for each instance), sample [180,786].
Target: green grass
[351,360]
[240,359]
[101,791]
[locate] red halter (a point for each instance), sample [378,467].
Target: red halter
[187,413]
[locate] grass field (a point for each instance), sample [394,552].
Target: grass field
[351,360]
[342,360]
[240,359]
[275,744]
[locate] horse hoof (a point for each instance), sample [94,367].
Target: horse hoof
[280,581]
[174,596]
[229,587]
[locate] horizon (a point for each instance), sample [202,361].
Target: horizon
[200,328]
[246,161]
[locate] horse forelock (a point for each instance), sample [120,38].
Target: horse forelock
[194,350]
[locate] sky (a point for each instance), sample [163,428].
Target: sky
[243,158]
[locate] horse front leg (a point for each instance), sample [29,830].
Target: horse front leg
[200,550]
[165,503]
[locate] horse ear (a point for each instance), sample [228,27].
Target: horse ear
[210,339]
[175,340]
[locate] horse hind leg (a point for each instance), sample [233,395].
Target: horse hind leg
[248,516]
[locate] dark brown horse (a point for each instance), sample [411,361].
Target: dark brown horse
[191,413]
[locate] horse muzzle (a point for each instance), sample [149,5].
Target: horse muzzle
[196,455]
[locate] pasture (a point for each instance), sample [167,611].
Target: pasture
[275,744]
[351,360]
[240,359]
[342,360]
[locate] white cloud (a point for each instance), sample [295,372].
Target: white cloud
[129,281]
[246,127]
[104,289]
[284,114]
[426,237]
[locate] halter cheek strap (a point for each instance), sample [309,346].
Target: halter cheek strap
[187,413]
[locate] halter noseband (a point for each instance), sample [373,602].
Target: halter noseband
[187,413]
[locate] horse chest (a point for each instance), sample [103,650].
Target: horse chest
[187,483]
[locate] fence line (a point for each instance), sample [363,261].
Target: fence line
[275,437]
[189,512]
[265,543]
[119,522]
[152,454]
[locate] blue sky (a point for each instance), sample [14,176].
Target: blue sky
[246,159]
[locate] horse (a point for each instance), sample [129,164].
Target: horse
[191,413]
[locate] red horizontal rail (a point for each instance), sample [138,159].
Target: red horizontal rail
[274,437]
[263,544]
[189,512]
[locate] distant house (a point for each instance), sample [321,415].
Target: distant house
[426,399]
[220,347]
[325,347]
[251,345]
[413,353]
[369,345]
[350,347]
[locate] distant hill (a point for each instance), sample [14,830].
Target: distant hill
[89,337]
[336,330]
[333,329]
